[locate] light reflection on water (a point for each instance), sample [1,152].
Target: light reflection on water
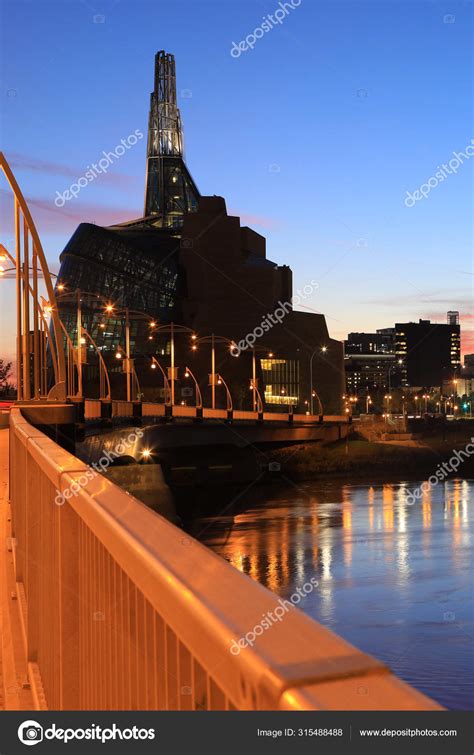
[394,579]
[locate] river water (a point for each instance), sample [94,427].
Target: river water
[395,579]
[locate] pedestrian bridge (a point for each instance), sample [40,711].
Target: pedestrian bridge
[107,605]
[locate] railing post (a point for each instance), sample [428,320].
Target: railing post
[106,412]
[68,587]
[137,410]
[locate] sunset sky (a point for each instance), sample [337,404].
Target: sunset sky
[313,137]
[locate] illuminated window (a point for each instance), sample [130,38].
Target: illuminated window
[281,381]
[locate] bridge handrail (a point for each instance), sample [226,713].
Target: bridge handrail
[123,610]
[122,408]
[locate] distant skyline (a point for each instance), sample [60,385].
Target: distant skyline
[314,137]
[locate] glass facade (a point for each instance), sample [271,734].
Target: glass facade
[281,381]
[170,192]
[133,269]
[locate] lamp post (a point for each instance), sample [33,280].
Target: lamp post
[220,380]
[399,362]
[368,401]
[154,364]
[256,397]
[323,350]
[172,329]
[188,373]
[213,340]
[128,366]
[77,297]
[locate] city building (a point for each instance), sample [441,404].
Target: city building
[369,372]
[468,366]
[188,262]
[430,352]
[380,342]
[469,360]
[370,362]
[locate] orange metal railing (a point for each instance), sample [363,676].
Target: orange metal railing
[122,610]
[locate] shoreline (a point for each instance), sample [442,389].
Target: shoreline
[367,461]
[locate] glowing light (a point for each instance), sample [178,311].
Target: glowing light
[153,324]
[153,366]
[146,453]
[102,325]
[186,374]
[193,337]
[60,287]
[194,347]
[324,349]
[109,308]
[118,355]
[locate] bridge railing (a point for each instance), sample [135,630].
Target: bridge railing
[92,409]
[122,610]
[122,409]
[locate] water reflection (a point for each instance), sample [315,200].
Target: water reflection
[395,579]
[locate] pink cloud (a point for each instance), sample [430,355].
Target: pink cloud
[18,162]
[51,219]
[260,220]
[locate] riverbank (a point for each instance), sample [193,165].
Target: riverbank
[362,459]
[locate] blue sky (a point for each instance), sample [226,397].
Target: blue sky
[314,136]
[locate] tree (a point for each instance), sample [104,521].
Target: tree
[5,372]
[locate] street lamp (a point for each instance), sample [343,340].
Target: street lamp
[323,350]
[221,381]
[213,340]
[399,362]
[154,364]
[187,374]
